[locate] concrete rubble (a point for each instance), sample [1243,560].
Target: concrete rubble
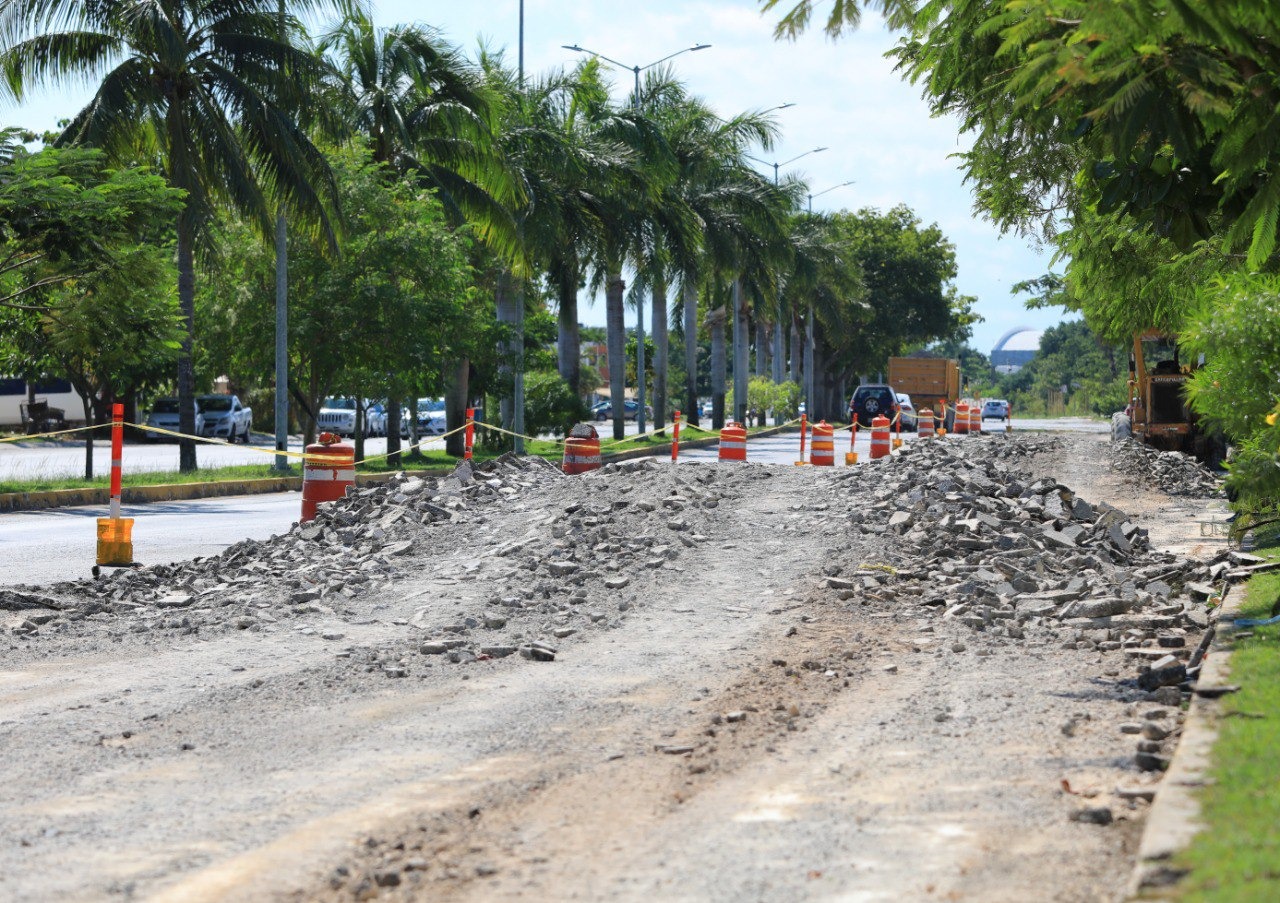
[1025,562]
[1174,472]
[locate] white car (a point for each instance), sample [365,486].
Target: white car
[431,419]
[338,415]
[164,415]
[907,411]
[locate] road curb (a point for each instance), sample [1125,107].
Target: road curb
[177,492]
[1174,819]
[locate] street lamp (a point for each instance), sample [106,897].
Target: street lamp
[825,190]
[777,165]
[635,105]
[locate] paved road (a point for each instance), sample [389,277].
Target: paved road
[43,546]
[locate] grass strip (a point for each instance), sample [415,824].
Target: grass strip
[1237,855]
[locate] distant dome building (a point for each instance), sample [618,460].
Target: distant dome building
[1016,348]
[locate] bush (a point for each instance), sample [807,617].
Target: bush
[550,405]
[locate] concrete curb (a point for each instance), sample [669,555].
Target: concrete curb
[1174,819]
[176,492]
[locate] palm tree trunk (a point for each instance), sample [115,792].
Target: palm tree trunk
[186,371]
[810,384]
[660,351]
[456,393]
[741,341]
[793,364]
[690,293]
[505,301]
[779,359]
[570,344]
[715,320]
[617,345]
[762,348]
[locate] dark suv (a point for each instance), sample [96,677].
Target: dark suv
[872,401]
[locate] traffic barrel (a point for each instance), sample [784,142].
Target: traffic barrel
[733,442]
[823,452]
[975,418]
[879,437]
[924,424]
[328,469]
[962,418]
[581,449]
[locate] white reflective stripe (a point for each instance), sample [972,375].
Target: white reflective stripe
[581,459]
[116,462]
[329,473]
[731,443]
[115,507]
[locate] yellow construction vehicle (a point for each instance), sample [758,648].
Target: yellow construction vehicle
[1158,414]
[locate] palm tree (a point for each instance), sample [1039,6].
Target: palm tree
[428,113]
[209,90]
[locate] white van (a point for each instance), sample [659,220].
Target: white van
[57,392]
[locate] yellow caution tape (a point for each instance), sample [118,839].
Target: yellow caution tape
[78,429]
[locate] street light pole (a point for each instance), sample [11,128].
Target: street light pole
[825,190]
[635,107]
[778,337]
[517,381]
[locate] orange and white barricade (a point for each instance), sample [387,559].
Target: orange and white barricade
[581,450]
[823,453]
[733,442]
[880,438]
[924,424]
[327,471]
[962,418]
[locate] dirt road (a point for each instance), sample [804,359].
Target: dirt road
[717,723]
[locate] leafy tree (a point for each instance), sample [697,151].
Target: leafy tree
[208,89]
[386,317]
[112,331]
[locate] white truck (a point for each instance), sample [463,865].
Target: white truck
[225,418]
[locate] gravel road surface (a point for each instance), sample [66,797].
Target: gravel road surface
[700,683]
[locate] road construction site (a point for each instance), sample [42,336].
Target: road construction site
[954,673]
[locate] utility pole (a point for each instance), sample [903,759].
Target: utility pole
[282,325]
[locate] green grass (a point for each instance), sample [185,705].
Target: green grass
[1237,855]
[431,458]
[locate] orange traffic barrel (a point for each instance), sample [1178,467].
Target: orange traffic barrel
[962,418]
[975,418]
[733,442]
[823,453]
[879,438]
[581,449]
[924,424]
[329,468]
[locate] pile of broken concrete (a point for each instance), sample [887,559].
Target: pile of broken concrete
[1022,560]
[1173,472]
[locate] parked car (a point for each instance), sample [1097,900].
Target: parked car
[375,415]
[995,409]
[164,415]
[225,418]
[630,410]
[431,418]
[908,412]
[338,415]
[872,401]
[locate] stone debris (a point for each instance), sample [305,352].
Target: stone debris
[987,550]
[1172,471]
[544,558]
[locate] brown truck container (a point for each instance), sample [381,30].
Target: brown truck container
[932,382]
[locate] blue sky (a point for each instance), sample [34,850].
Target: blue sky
[877,129]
